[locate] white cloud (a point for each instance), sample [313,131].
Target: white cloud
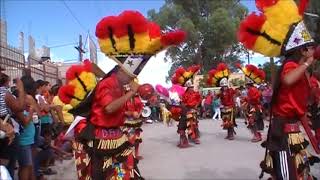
[56,58]
[105,63]
[255,58]
[154,72]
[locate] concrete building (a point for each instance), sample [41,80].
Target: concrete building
[14,61]
[62,69]
[11,58]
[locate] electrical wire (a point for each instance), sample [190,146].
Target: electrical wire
[73,15]
[62,45]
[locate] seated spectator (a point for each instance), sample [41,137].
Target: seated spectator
[10,107]
[49,153]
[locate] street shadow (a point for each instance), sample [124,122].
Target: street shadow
[207,173]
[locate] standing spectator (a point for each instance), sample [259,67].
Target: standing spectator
[216,105]
[266,98]
[46,118]
[27,136]
[30,136]
[203,108]
[9,105]
[208,103]
[154,105]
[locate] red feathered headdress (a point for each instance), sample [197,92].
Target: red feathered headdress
[182,76]
[215,76]
[252,73]
[130,40]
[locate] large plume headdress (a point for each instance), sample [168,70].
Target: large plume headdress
[253,74]
[130,40]
[277,30]
[218,77]
[81,81]
[184,77]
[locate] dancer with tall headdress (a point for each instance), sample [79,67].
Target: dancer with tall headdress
[219,78]
[102,150]
[184,105]
[252,102]
[279,30]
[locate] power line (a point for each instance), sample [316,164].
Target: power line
[73,15]
[62,45]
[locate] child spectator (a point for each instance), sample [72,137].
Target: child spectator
[216,105]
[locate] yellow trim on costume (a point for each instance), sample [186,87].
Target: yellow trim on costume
[107,163]
[133,121]
[295,138]
[106,144]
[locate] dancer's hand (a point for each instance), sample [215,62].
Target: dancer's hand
[134,86]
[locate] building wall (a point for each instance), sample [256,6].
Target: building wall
[62,69]
[14,61]
[3,33]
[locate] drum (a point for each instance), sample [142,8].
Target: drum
[146,112]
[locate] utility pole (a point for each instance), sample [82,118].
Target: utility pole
[272,70]
[79,49]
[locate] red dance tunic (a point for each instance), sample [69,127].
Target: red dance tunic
[227,97]
[292,100]
[254,96]
[191,99]
[107,91]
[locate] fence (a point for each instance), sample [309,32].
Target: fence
[43,70]
[13,61]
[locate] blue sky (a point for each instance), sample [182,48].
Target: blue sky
[51,23]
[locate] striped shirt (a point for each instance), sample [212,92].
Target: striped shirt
[4,110]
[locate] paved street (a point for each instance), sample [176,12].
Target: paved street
[214,158]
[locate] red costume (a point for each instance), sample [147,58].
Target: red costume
[227,97]
[102,149]
[186,113]
[227,111]
[278,30]
[252,102]
[219,78]
[133,123]
[191,99]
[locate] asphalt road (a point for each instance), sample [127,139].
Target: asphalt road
[214,158]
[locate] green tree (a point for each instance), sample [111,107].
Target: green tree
[267,69]
[211,27]
[312,19]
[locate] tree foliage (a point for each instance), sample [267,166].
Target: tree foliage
[211,27]
[267,69]
[313,22]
